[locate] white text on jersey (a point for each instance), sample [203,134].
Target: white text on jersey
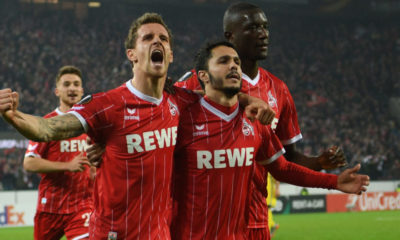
[233,157]
[146,140]
[73,146]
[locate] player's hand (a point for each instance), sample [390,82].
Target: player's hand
[351,182]
[8,101]
[332,158]
[77,164]
[169,86]
[260,110]
[94,153]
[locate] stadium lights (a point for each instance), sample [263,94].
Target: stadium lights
[94,4]
[40,1]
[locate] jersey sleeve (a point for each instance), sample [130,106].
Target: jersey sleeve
[189,81]
[93,113]
[185,97]
[288,130]
[291,173]
[36,149]
[271,148]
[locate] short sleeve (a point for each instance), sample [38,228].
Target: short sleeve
[185,97]
[288,129]
[36,149]
[271,147]
[189,81]
[93,113]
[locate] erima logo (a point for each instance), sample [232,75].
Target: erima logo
[199,131]
[131,111]
[272,100]
[199,127]
[32,147]
[247,129]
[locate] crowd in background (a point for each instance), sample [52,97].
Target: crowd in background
[341,73]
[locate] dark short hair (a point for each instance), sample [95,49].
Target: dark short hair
[204,55]
[130,41]
[68,70]
[235,9]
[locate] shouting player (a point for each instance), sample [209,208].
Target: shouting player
[246,27]
[216,149]
[138,123]
[65,190]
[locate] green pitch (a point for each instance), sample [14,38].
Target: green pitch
[383,225]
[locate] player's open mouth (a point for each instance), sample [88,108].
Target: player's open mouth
[157,56]
[72,95]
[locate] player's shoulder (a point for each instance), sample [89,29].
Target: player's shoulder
[187,76]
[265,74]
[189,80]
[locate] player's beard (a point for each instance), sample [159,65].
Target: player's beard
[217,84]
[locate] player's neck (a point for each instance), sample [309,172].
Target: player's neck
[250,68]
[221,98]
[64,107]
[151,86]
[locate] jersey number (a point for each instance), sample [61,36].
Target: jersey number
[86,216]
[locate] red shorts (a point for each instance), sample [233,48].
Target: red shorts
[258,234]
[52,226]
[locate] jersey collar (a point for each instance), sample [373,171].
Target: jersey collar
[219,113]
[251,81]
[141,95]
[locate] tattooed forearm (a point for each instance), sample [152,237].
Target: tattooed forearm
[61,127]
[44,130]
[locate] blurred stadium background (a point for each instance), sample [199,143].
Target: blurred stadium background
[339,58]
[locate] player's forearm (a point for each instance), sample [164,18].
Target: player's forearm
[44,130]
[303,160]
[292,173]
[28,125]
[40,165]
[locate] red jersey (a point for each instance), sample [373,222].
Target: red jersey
[62,192]
[189,81]
[133,184]
[216,150]
[285,124]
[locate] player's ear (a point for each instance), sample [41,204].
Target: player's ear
[131,55]
[56,92]
[203,76]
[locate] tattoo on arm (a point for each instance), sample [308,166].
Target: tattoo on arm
[60,127]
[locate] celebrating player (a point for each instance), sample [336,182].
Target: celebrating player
[216,149]
[246,27]
[137,122]
[65,190]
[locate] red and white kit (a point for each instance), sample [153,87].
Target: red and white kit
[133,185]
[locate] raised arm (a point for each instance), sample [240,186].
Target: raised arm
[37,128]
